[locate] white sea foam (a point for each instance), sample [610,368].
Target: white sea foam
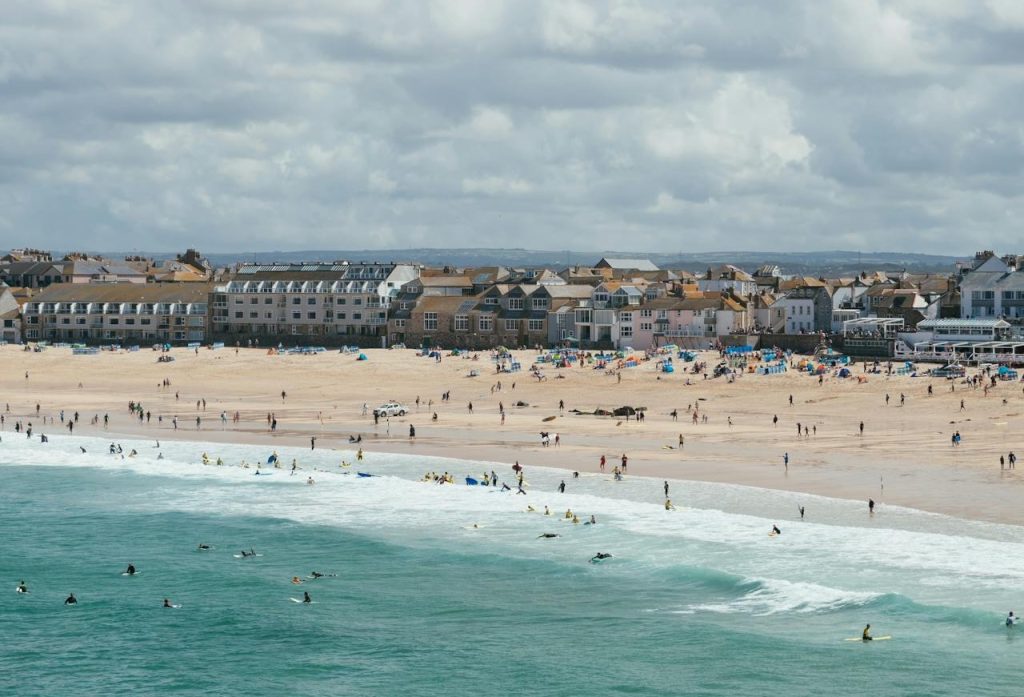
[811,567]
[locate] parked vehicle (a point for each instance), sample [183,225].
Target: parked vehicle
[390,409]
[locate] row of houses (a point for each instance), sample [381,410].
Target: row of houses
[615,303]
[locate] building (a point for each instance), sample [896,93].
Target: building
[727,278]
[100,271]
[121,313]
[619,264]
[30,274]
[323,302]
[10,317]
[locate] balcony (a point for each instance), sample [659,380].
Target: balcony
[376,321]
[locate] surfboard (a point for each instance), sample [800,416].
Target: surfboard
[125,573]
[300,600]
[247,556]
[173,606]
[877,638]
[549,418]
[18,590]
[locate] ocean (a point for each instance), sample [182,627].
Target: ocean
[449,590]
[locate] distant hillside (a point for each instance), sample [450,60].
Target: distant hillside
[830,263]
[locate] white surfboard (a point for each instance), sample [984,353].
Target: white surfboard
[877,638]
[300,600]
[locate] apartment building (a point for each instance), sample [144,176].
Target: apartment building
[118,313]
[331,302]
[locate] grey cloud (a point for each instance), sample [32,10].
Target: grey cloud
[655,125]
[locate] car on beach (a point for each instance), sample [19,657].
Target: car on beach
[390,409]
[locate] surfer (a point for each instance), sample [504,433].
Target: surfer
[167,603]
[599,556]
[317,574]
[866,634]
[305,598]
[547,535]
[71,600]
[22,588]
[775,530]
[296,580]
[668,505]
[592,521]
[203,546]
[1010,619]
[130,571]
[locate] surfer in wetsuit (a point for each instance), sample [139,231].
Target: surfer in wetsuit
[599,556]
[547,535]
[775,530]
[203,546]
[1010,619]
[305,597]
[71,600]
[167,602]
[866,634]
[22,588]
[130,570]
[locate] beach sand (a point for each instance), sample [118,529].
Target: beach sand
[904,457]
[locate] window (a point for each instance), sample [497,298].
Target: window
[536,325]
[357,315]
[485,323]
[296,301]
[511,325]
[311,301]
[269,315]
[400,324]
[310,315]
[115,320]
[253,301]
[600,297]
[645,326]
[539,303]
[268,301]
[239,315]
[490,301]
[340,315]
[340,301]
[357,301]
[238,301]
[515,303]
[626,332]
[254,315]
[429,321]
[81,320]
[296,315]
[646,313]
[462,323]
[626,317]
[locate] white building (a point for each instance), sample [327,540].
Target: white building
[309,300]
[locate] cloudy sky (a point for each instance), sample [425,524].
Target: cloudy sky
[647,126]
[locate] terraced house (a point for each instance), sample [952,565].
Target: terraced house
[121,313]
[338,302]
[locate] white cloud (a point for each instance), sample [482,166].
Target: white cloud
[153,124]
[496,186]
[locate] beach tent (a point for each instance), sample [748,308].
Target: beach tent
[361,357]
[844,373]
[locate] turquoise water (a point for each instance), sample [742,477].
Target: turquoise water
[695,601]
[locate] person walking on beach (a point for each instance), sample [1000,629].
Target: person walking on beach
[1013,460]
[962,407]
[871,506]
[801,512]
[625,461]
[775,421]
[862,428]
[666,488]
[602,463]
[412,431]
[312,442]
[561,487]
[785,460]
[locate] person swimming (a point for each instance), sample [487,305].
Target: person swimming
[547,535]
[600,556]
[305,597]
[296,580]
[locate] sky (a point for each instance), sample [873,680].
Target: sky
[252,125]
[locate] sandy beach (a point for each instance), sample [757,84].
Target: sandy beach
[904,457]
